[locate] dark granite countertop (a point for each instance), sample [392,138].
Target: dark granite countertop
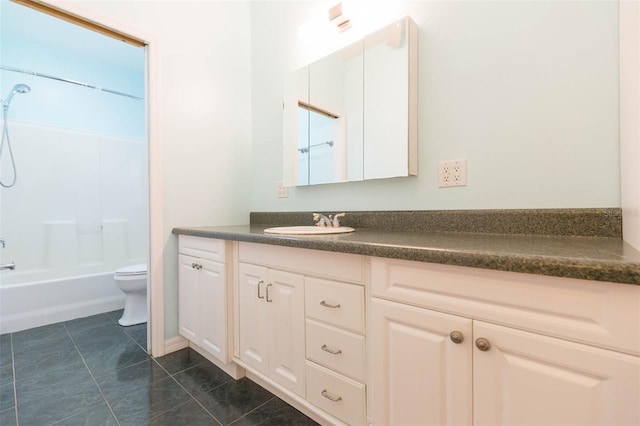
[591,258]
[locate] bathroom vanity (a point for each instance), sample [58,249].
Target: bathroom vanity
[365,329]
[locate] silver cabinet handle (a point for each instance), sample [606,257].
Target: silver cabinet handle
[10,265]
[329,396]
[483,344]
[269,300]
[260,296]
[456,336]
[331,351]
[328,305]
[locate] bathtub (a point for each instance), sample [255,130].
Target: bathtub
[32,304]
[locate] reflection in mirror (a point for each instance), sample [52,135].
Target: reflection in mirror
[325,128]
[335,95]
[296,127]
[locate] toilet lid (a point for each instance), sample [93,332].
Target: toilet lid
[139,269]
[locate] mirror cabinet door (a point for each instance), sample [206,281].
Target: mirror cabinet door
[352,115]
[390,96]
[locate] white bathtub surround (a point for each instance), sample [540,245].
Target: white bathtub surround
[78,211]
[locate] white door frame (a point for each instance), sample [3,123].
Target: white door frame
[155,284]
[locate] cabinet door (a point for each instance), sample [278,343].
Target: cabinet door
[254,343]
[286,329]
[526,378]
[188,301]
[213,308]
[419,375]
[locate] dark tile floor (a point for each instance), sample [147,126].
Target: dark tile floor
[91,371]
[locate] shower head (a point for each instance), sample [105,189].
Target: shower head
[18,88]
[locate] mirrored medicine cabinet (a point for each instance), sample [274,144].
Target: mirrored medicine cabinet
[352,115]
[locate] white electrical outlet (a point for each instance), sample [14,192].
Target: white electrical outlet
[452,173]
[283,191]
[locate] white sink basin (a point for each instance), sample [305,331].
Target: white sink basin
[307,230]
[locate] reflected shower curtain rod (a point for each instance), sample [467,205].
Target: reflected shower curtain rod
[304,150]
[65,80]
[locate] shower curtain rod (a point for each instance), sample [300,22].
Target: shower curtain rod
[65,80]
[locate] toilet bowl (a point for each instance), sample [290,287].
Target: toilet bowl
[132,280]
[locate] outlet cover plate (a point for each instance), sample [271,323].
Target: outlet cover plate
[452,173]
[283,191]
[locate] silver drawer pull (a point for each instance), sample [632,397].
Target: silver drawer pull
[331,351]
[267,290]
[330,397]
[260,296]
[328,305]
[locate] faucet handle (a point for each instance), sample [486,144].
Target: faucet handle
[336,219]
[3,243]
[319,219]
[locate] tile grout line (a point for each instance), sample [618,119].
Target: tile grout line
[15,389]
[106,401]
[251,411]
[185,389]
[124,329]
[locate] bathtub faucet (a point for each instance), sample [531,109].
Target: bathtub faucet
[10,265]
[3,243]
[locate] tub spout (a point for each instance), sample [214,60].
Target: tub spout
[10,265]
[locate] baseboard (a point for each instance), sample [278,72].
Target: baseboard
[232,369]
[175,344]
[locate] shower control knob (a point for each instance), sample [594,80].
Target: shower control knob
[193,265]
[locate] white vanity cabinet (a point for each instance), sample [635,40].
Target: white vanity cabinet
[301,324]
[271,306]
[453,345]
[202,294]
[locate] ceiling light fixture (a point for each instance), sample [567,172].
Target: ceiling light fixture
[340,21]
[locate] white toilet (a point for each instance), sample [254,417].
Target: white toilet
[133,282]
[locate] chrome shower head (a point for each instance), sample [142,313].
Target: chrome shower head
[18,88]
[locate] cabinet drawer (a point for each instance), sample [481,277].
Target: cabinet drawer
[339,266]
[204,248]
[323,341]
[592,312]
[335,303]
[339,396]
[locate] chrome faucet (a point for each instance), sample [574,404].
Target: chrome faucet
[321,220]
[331,221]
[10,265]
[336,219]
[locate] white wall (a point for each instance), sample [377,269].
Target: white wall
[527,92]
[203,67]
[629,117]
